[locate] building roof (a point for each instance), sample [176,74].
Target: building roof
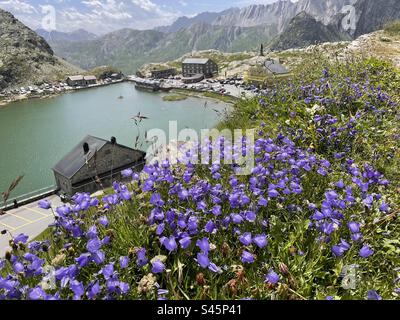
[76,78]
[195,61]
[76,158]
[275,67]
[90,78]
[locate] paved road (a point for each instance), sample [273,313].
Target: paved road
[29,219]
[238,91]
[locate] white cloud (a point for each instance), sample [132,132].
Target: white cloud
[145,4]
[97,16]
[18,7]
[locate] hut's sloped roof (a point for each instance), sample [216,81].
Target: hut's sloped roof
[76,78]
[275,67]
[90,77]
[76,158]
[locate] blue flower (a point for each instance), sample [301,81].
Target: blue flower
[262,201]
[44,204]
[272,277]
[156,200]
[354,227]
[83,260]
[210,227]
[18,267]
[92,233]
[260,240]
[93,245]
[204,245]
[126,195]
[123,262]
[157,267]
[340,249]
[108,271]
[94,290]
[273,193]
[384,207]
[202,260]
[373,295]
[356,237]
[247,257]
[98,257]
[214,268]
[37,293]
[237,218]
[250,216]
[170,244]
[77,288]
[127,173]
[246,239]
[103,221]
[22,238]
[185,242]
[366,252]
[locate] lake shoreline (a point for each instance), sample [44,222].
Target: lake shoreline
[188,92]
[203,95]
[18,97]
[47,129]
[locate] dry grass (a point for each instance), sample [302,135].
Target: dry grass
[6,194]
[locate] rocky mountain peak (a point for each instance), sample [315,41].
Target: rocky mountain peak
[25,57]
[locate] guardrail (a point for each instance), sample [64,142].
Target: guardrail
[29,197]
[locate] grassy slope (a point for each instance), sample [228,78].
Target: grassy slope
[315,273]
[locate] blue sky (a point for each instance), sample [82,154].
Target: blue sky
[101,16]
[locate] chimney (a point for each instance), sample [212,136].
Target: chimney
[85,147]
[113,140]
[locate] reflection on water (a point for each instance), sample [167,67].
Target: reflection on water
[35,134]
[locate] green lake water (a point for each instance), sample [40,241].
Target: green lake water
[36,134]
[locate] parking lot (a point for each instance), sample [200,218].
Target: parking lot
[29,219]
[235,87]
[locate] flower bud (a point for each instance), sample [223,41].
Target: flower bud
[58,260]
[200,279]
[111,234]
[283,268]
[132,252]
[71,251]
[8,255]
[225,249]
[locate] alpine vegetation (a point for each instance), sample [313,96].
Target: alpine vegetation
[316,218]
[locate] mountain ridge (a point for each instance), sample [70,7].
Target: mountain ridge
[233,30]
[77,35]
[25,57]
[304,30]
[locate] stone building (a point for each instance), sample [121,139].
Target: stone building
[76,81]
[266,74]
[163,73]
[194,66]
[89,80]
[95,164]
[81,81]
